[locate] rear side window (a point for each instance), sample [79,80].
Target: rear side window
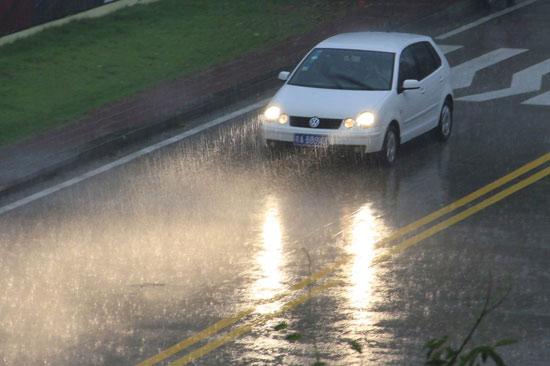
[434,53]
[408,69]
[426,58]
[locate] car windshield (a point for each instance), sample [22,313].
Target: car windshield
[345,69]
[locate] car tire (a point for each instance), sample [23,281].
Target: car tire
[445,126]
[388,154]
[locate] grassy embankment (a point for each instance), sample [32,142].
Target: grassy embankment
[51,78]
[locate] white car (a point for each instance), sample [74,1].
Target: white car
[370,90]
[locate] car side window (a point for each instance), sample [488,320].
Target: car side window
[408,68]
[426,61]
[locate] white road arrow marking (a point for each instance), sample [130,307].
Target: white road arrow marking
[543,99]
[526,81]
[449,48]
[463,74]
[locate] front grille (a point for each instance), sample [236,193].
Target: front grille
[326,123]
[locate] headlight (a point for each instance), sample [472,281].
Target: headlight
[349,122]
[365,119]
[272,113]
[283,119]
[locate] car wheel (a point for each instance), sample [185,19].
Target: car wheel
[388,154]
[445,126]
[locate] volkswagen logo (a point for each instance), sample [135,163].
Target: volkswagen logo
[314,122]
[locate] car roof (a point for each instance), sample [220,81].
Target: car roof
[372,41]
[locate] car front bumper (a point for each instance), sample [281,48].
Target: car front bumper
[371,139]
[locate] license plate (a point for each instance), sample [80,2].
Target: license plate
[310,140]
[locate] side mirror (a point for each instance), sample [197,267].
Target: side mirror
[283,75]
[410,84]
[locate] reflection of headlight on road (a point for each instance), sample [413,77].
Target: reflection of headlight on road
[365,119]
[272,113]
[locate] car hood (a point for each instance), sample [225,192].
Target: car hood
[327,103]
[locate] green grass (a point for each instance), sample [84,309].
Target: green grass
[61,73]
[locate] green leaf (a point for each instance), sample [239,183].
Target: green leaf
[505,342]
[470,357]
[436,342]
[282,325]
[356,346]
[293,337]
[450,353]
[436,355]
[495,357]
[433,344]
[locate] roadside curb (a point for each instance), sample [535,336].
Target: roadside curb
[97,12]
[113,142]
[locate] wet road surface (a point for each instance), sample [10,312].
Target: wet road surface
[122,266]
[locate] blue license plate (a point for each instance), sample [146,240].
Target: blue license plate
[310,140]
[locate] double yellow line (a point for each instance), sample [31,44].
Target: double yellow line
[328,270]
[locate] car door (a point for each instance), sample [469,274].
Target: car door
[411,103]
[432,79]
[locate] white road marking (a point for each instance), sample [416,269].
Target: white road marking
[485,19]
[543,99]
[449,48]
[130,157]
[525,81]
[463,74]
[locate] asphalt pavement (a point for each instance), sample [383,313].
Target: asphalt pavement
[135,265]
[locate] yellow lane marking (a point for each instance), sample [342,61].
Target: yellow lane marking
[243,329]
[470,211]
[211,330]
[469,198]
[385,256]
